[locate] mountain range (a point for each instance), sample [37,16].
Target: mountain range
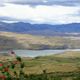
[41,29]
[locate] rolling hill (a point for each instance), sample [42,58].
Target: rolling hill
[10,40]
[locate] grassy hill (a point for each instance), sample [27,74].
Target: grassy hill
[65,62]
[9,40]
[69,54]
[65,66]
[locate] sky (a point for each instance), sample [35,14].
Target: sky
[40,11]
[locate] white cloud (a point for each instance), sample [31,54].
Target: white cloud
[41,13]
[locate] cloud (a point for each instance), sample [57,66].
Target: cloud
[51,14]
[25,2]
[43,2]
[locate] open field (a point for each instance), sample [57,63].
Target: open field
[9,40]
[68,61]
[53,63]
[65,66]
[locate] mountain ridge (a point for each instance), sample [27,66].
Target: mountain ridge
[40,29]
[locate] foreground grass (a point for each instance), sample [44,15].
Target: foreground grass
[54,67]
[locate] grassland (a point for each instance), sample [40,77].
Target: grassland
[68,61]
[9,40]
[65,66]
[54,62]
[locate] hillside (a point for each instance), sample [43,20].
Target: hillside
[70,62]
[24,41]
[9,40]
[64,62]
[69,54]
[52,63]
[55,66]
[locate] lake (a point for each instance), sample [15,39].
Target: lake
[35,53]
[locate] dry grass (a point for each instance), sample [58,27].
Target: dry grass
[69,54]
[67,62]
[26,41]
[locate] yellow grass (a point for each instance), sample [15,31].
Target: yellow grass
[69,54]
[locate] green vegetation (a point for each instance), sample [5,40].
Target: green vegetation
[55,67]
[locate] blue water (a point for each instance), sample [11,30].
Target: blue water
[34,53]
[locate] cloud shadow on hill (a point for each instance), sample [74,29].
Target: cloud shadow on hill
[7,43]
